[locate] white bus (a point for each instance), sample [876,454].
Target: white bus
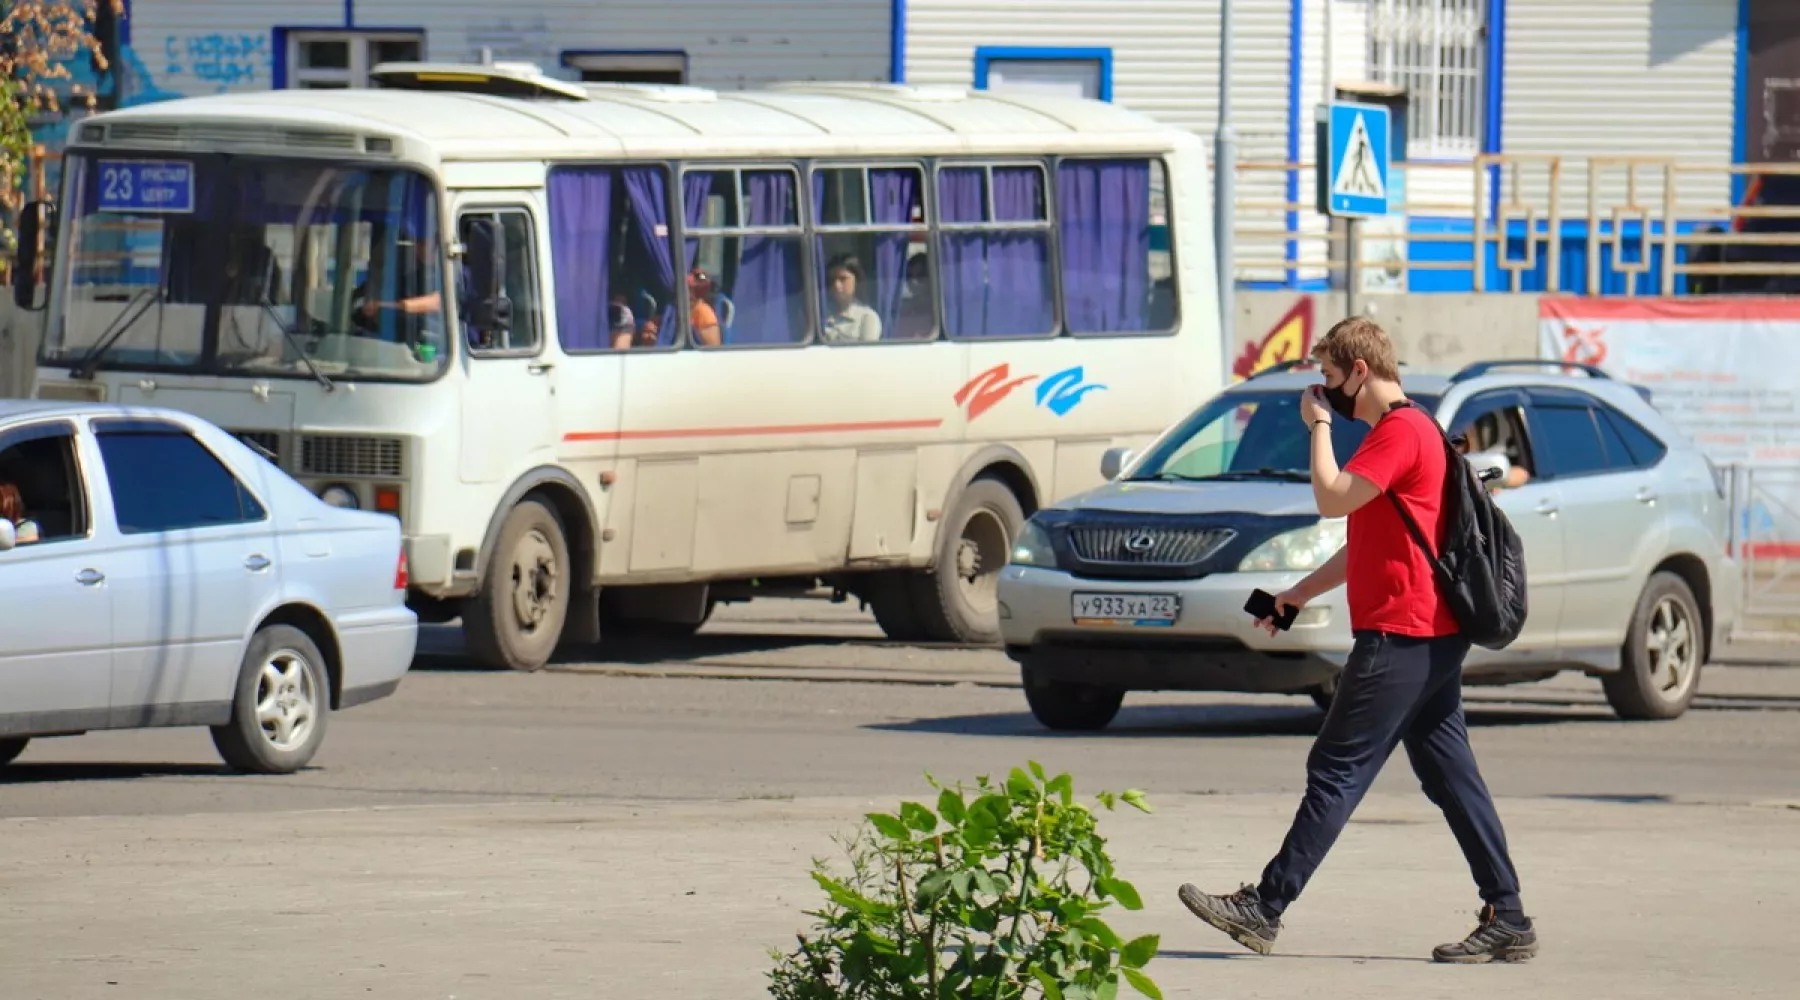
[615,353]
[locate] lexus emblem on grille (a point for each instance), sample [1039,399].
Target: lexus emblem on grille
[1140,542]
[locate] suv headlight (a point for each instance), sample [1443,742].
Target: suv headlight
[1303,549]
[1033,547]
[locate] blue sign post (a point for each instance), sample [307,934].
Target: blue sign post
[1359,152]
[135,186]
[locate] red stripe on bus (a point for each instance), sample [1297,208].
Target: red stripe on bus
[694,432]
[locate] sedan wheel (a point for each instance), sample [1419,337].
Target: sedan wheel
[283,700]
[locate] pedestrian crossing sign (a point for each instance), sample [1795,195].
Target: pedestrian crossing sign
[1358,144]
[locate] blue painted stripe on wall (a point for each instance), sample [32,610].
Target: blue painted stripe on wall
[349,13]
[1740,102]
[1493,132]
[897,43]
[1296,81]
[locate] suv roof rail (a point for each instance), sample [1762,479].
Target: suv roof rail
[1283,366]
[1481,368]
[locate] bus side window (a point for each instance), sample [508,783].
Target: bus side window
[1118,272]
[993,242]
[525,334]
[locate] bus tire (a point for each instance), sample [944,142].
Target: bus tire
[516,619]
[956,601]
[890,594]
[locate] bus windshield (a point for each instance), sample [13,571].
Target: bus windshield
[1251,435]
[237,265]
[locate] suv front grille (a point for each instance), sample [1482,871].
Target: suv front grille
[1136,546]
[321,455]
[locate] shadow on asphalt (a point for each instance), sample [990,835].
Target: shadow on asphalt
[1232,956]
[441,648]
[1230,721]
[28,773]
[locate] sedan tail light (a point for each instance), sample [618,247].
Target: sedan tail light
[400,576]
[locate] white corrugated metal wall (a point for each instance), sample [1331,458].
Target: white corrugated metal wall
[1165,64]
[192,47]
[1623,78]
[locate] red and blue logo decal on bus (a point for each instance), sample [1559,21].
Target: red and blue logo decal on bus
[1058,393]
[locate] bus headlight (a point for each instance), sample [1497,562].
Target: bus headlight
[339,495]
[1303,549]
[1033,547]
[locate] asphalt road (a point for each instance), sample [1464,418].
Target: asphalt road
[582,732]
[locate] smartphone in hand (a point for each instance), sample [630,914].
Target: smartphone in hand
[1262,605]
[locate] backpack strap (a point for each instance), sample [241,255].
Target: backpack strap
[1412,526]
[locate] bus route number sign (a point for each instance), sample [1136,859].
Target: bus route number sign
[146,186]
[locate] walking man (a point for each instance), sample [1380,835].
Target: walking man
[1403,680]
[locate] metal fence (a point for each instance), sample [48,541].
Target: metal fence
[1533,223]
[1765,506]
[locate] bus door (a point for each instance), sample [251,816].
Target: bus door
[508,402]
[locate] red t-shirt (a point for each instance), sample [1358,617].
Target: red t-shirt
[1390,583]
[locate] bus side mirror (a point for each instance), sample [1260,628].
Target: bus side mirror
[490,310]
[34,222]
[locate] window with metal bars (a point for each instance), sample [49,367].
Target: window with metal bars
[1437,50]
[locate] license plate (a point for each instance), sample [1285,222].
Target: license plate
[1136,610]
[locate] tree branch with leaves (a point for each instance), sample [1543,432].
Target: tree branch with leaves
[38,39]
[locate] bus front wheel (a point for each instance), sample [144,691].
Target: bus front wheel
[516,619]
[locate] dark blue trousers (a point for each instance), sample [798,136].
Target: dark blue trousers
[1395,689]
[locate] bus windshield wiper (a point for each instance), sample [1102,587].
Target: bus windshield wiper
[85,368]
[294,342]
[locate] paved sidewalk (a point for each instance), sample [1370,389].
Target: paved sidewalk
[684,899]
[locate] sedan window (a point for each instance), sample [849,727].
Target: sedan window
[40,484]
[163,479]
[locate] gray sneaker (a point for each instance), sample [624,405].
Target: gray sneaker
[1240,915]
[1492,941]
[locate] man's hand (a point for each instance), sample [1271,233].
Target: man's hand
[1313,406]
[1286,599]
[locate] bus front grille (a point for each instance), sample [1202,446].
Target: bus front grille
[332,455]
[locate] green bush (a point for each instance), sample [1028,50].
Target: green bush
[996,897]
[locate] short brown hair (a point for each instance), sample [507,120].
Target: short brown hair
[12,505]
[1359,339]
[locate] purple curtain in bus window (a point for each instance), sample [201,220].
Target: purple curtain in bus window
[1019,287]
[768,285]
[894,192]
[1103,210]
[649,209]
[963,271]
[580,254]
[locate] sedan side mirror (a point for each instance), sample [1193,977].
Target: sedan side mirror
[1490,466]
[8,537]
[1114,461]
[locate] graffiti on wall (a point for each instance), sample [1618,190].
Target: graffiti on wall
[1289,339]
[218,62]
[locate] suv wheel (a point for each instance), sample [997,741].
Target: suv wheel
[1663,653]
[1069,705]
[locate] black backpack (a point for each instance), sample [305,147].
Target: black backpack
[1482,567]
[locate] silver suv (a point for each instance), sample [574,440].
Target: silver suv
[1140,584]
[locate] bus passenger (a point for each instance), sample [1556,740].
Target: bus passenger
[702,320]
[620,323]
[850,321]
[917,319]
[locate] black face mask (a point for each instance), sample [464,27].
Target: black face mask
[1343,403]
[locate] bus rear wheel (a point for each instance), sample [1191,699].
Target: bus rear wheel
[515,620]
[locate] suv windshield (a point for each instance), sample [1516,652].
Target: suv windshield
[247,265]
[1250,435]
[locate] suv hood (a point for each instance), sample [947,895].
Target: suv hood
[1240,497]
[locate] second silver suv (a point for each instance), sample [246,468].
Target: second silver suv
[1140,584]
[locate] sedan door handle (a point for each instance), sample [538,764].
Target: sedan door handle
[1646,495]
[90,578]
[1546,508]
[257,563]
